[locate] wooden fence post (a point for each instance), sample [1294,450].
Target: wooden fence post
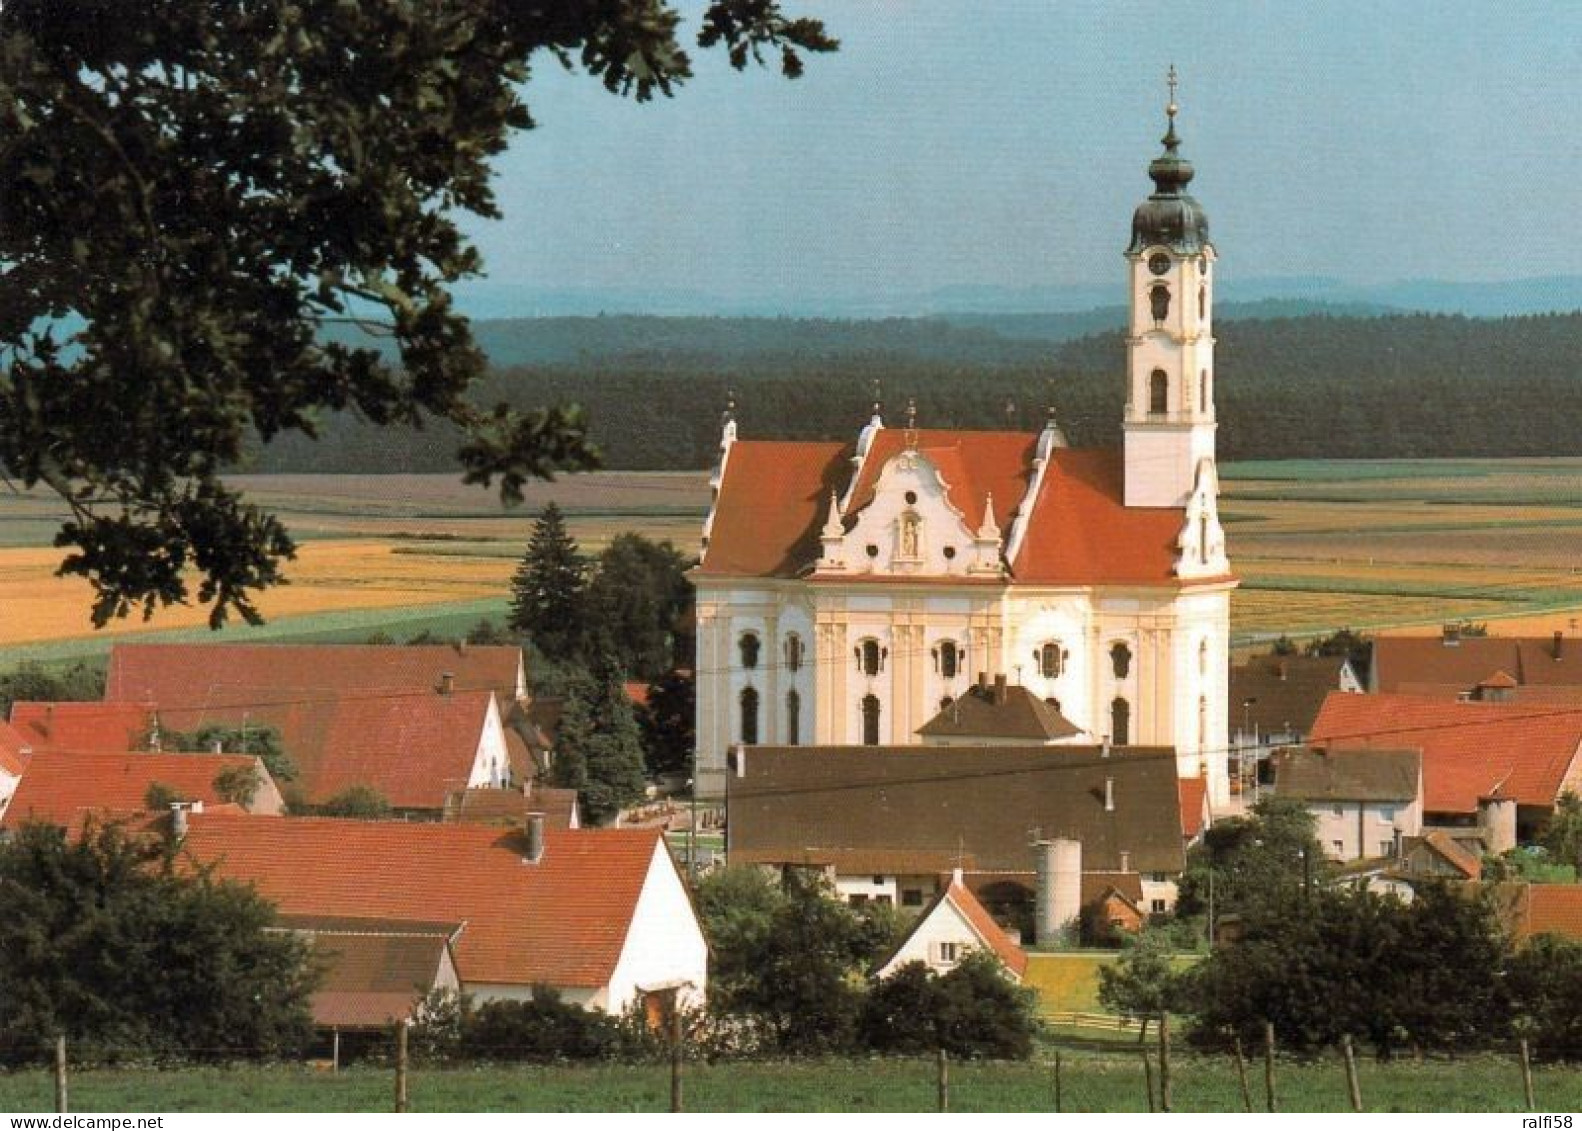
[1148,1078]
[1527,1077]
[1268,1064]
[401,1067]
[1058,1097]
[676,1097]
[1164,1062]
[944,1080]
[60,1074]
[1352,1084]
[1241,1074]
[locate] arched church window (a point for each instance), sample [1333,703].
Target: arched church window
[870,657]
[793,719]
[749,649]
[1121,722]
[948,658]
[1202,390]
[870,720]
[749,705]
[1121,659]
[794,652]
[1202,301]
[1050,659]
[1158,392]
[1159,302]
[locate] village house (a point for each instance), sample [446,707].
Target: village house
[599,915]
[893,824]
[1495,669]
[1493,770]
[1274,700]
[951,927]
[1363,801]
[847,591]
[67,788]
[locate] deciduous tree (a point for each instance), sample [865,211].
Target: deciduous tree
[190,192]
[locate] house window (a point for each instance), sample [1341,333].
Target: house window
[947,952]
[1339,846]
[749,702]
[911,897]
[1050,659]
[1159,302]
[1121,659]
[1121,722]
[870,720]
[794,651]
[857,900]
[1158,393]
[883,900]
[948,656]
[1387,848]
[1338,810]
[1157,907]
[870,657]
[1158,878]
[793,719]
[749,649]
[1387,812]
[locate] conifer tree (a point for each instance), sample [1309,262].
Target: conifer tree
[598,749]
[547,589]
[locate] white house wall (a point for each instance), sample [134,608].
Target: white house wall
[664,943]
[491,761]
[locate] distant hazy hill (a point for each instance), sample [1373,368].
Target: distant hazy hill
[1331,384]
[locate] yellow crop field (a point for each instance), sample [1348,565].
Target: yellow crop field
[328,576]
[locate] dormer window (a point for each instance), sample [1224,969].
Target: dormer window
[748,645]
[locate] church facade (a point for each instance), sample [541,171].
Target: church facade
[849,592]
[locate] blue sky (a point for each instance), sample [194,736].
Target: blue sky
[1004,144]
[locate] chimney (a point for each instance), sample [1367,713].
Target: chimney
[1104,747]
[741,761]
[983,681]
[1282,670]
[1109,795]
[535,837]
[447,682]
[1560,638]
[1000,692]
[180,812]
[216,747]
[461,646]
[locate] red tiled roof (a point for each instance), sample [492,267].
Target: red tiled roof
[192,675]
[413,747]
[62,788]
[14,750]
[1554,909]
[560,922]
[636,692]
[1193,790]
[82,726]
[772,502]
[774,499]
[988,930]
[1470,750]
[1082,532]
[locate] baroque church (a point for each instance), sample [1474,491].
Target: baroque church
[849,592]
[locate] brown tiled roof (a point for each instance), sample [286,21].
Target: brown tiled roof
[1472,660]
[373,973]
[63,788]
[1286,691]
[1194,793]
[976,806]
[774,499]
[1007,712]
[1347,774]
[1447,848]
[511,806]
[858,861]
[560,922]
[1470,750]
[178,676]
[83,726]
[1127,885]
[413,747]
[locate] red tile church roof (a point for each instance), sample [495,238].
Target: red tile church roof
[774,499]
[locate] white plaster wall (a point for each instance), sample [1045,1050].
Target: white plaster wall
[945,925]
[1155,890]
[664,944]
[1362,828]
[870,887]
[491,761]
[8,784]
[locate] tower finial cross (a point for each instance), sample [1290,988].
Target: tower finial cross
[1170,80]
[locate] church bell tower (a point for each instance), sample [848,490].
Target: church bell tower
[1169,423]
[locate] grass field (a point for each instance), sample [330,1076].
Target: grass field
[1371,544]
[1109,1081]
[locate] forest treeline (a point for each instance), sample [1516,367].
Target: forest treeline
[1318,385]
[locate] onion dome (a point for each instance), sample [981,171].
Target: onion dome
[1170,217]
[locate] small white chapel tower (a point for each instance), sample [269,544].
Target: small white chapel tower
[1169,423]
